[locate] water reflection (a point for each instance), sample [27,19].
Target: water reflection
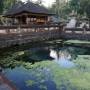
[63,58]
[37,79]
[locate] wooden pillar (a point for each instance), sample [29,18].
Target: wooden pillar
[46,20]
[27,20]
[19,20]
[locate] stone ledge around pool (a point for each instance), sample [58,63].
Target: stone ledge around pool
[5,84]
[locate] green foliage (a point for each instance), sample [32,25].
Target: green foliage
[60,8]
[63,9]
[74,5]
[1,6]
[81,7]
[6,4]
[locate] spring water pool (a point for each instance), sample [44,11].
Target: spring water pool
[57,68]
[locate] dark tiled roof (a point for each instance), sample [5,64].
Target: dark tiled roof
[27,7]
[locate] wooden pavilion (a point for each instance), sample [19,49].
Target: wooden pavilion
[28,13]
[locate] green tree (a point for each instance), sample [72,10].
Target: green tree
[85,7]
[60,8]
[8,4]
[74,5]
[82,7]
[63,9]
[1,6]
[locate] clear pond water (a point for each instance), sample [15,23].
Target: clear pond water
[57,68]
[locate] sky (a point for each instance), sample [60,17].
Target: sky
[47,3]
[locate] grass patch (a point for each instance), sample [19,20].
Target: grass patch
[77,42]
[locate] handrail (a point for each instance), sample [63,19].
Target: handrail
[28,26]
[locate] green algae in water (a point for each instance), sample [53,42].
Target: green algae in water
[71,79]
[77,78]
[30,82]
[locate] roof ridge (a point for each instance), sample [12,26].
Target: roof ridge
[28,7]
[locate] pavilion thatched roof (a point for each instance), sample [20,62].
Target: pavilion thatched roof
[28,7]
